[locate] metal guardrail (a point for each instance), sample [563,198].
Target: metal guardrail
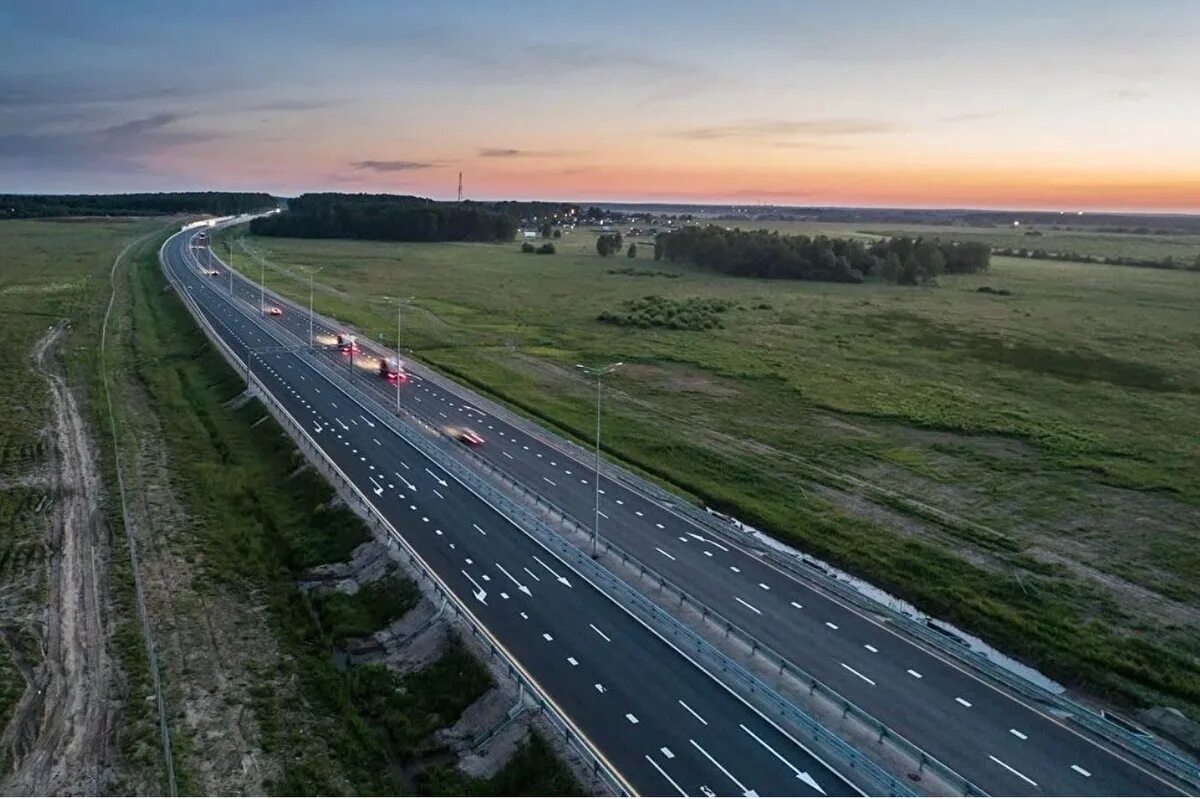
[706,656]
[1087,717]
[785,666]
[555,717]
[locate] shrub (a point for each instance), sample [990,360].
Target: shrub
[527,247]
[546,249]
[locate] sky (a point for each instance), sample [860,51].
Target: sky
[1062,105]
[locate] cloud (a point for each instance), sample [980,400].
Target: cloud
[512,152]
[296,105]
[967,116]
[761,129]
[118,147]
[395,166]
[1130,94]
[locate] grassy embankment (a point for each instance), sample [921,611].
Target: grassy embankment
[259,525]
[249,532]
[1023,465]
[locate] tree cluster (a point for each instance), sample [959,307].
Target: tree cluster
[219,203]
[386,217]
[608,243]
[762,253]
[693,313]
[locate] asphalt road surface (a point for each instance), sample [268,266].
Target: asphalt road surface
[661,722]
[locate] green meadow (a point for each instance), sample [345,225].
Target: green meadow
[1022,463]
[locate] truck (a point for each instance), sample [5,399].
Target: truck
[392,370]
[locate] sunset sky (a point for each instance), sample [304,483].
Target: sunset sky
[1055,105]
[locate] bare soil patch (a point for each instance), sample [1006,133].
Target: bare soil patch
[59,737]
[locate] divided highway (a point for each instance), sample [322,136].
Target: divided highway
[662,723]
[992,738]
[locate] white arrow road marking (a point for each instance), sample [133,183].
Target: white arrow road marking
[407,484]
[745,791]
[704,540]
[378,488]
[480,594]
[365,419]
[343,424]
[858,674]
[317,427]
[744,602]
[1013,770]
[802,775]
[522,588]
[439,480]
[557,576]
[666,776]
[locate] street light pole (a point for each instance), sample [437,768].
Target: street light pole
[598,373]
[229,266]
[400,303]
[262,286]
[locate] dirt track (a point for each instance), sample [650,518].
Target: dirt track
[59,734]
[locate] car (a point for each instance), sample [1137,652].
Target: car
[273,310]
[469,437]
[348,343]
[211,272]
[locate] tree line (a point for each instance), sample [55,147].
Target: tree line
[761,253]
[220,203]
[385,217]
[1169,262]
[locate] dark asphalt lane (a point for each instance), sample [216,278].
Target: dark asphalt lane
[666,726]
[993,739]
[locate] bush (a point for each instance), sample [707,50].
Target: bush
[546,249]
[527,247]
[693,313]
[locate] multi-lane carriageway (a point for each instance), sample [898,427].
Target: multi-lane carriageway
[993,739]
[661,722]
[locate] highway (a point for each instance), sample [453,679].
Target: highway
[992,738]
[662,723]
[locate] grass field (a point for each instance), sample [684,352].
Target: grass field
[1023,465]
